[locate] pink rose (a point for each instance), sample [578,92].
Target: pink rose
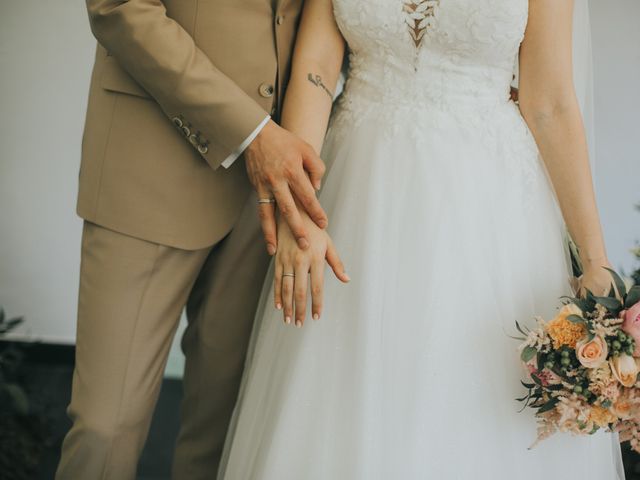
[631,325]
[592,353]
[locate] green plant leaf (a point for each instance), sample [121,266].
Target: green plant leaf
[620,286]
[527,353]
[18,397]
[611,304]
[521,330]
[550,405]
[576,319]
[633,296]
[9,325]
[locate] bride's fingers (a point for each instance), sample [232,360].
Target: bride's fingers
[277,286]
[317,287]
[333,259]
[300,293]
[288,284]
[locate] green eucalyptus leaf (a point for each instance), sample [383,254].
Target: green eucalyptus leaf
[550,405]
[576,319]
[527,353]
[611,304]
[633,296]
[622,288]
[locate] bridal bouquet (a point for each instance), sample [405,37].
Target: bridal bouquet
[583,365]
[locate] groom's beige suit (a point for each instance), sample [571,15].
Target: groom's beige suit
[179,88]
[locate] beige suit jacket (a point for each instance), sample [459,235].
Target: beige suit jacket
[177,86]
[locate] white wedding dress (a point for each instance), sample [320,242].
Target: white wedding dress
[444,215]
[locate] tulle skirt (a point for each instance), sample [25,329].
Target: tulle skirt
[450,230]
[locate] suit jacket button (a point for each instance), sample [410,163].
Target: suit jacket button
[203,149]
[177,121]
[280,19]
[266,90]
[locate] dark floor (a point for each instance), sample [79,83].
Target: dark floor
[49,385]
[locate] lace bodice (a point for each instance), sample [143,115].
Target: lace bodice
[433,50]
[438,65]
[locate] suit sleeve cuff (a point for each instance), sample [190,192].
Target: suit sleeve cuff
[238,151]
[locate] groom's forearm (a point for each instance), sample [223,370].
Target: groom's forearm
[164,59]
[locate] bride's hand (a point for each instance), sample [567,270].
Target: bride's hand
[293,266]
[596,278]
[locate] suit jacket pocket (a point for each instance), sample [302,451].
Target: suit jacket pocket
[115,79]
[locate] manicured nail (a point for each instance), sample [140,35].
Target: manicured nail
[302,243]
[298,323]
[278,306]
[271,249]
[323,223]
[318,184]
[347,276]
[287,320]
[316,316]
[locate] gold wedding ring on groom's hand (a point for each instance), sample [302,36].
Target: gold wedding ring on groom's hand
[266,200]
[288,274]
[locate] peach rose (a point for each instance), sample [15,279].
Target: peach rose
[631,325]
[592,353]
[625,369]
[623,408]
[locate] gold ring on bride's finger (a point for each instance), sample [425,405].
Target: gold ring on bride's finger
[266,200]
[288,274]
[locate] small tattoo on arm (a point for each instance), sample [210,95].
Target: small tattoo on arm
[317,81]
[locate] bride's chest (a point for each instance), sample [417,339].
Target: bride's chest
[489,28]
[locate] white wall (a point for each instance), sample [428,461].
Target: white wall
[46,50]
[616,45]
[46,53]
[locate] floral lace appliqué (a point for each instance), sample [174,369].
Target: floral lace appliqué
[419,18]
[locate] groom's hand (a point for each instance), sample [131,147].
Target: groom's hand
[280,165]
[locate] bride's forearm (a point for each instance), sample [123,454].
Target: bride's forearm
[315,69]
[559,133]
[308,104]
[549,105]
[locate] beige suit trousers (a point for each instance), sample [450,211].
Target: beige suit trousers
[132,293]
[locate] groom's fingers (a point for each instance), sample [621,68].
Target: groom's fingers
[317,287]
[314,165]
[306,195]
[290,213]
[267,215]
[300,293]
